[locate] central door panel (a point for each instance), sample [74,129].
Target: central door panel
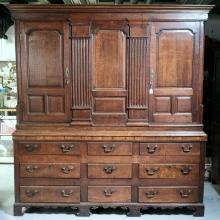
[109,77]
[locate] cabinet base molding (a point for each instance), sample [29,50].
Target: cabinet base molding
[131,209]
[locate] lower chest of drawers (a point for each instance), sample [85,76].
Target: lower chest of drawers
[108,172]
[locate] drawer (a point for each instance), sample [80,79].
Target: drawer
[55,194]
[116,194]
[109,171]
[162,149]
[56,170]
[72,148]
[109,148]
[169,171]
[168,194]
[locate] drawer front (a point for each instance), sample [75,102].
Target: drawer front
[109,148]
[116,194]
[162,149]
[168,194]
[55,170]
[109,171]
[55,194]
[169,171]
[72,148]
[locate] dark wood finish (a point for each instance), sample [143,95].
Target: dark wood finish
[34,148]
[109,107]
[168,194]
[189,172]
[64,194]
[55,170]
[107,148]
[109,171]
[116,194]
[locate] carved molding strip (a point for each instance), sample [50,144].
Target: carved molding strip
[81,72]
[137,72]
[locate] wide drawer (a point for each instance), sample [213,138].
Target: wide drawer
[168,171]
[171,149]
[71,148]
[168,194]
[116,194]
[109,148]
[55,194]
[56,170]
[109,171]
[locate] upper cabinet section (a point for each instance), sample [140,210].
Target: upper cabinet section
[110,65]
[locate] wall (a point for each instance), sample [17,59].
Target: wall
[212,26]
[7,47]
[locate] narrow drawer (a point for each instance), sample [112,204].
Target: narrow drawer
[162,149]
[169,171]
[56,170]
[55,194]
[168,194]
[109,148]
[116,194]
[109,171]
[72,148]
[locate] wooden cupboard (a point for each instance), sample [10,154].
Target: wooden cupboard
[109,107]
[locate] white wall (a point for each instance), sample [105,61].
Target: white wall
[212,26]
[7,47]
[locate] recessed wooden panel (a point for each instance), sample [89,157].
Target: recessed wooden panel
[45,67]
[163,104]
[109,59]
[175,58]
[109,105]
[109,119]
[36,104]
[184,104]
[56,104]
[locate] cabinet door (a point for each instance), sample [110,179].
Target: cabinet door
[175,72]
[45,71]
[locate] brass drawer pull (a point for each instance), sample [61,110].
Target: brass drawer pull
[66,147]
[31,147]
[109,169]
[185,193]
[109,192]
[67,169]
[65,193]
[31,193]
[186,148]
[31,168]
[186,170]
[151,194]
[108,148]
[152,170]
[152,148]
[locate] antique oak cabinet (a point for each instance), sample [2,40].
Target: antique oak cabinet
[109,107]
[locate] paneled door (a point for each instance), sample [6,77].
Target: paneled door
[45,71]
[174,72]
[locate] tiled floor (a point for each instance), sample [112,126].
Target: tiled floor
[211,200]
